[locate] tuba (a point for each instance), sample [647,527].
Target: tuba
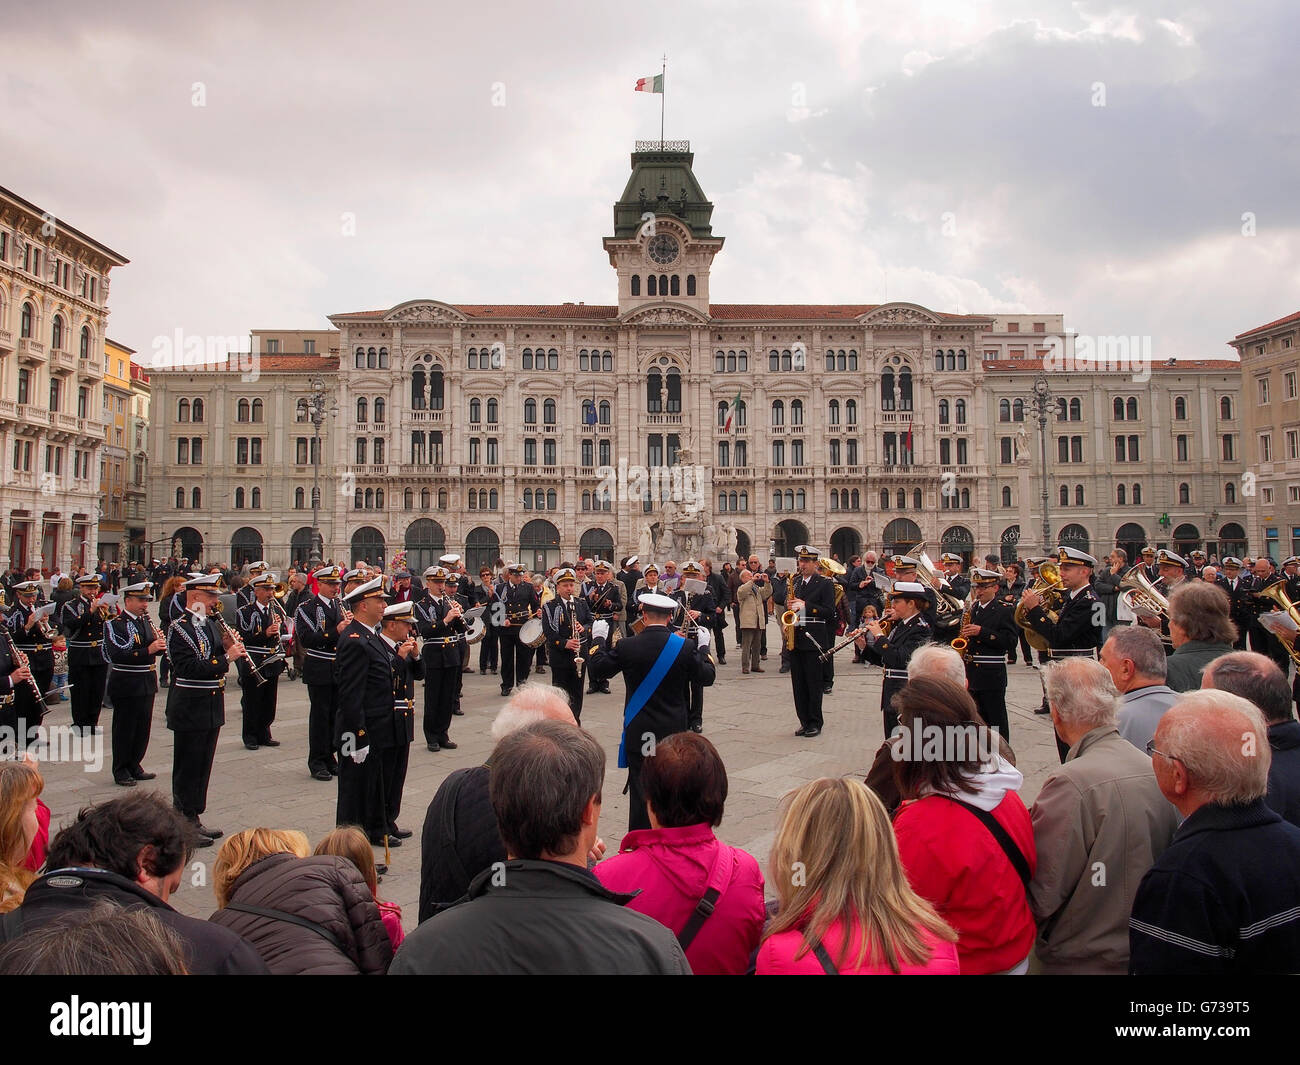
[1276,593]
[947,608]
[1049,586]
[1141,596]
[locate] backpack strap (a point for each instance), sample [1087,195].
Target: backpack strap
[823,956]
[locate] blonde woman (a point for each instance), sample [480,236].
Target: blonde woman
[302,914]
[845,905]
[20,783]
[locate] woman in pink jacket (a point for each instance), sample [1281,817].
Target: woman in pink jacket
[845,904]
[965,836]
[678,863]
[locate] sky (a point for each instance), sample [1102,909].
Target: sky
[1133,167]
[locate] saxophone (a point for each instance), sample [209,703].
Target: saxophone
[961,644]
[789,617]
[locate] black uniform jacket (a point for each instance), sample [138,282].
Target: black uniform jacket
[1078,626]
[896,648]
[195,700]
[998,635]
[126,647]
[435,630]
[513,602]
[606,600]
[315,629]
[406,671]
[83,627]
[363,671]
[252,622]
[557,619]
[665,711]
[818,595]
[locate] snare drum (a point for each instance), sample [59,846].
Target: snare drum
[476,630]
[531,633]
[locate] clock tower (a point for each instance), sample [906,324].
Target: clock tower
[663,243]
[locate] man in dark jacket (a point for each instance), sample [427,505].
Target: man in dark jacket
[1106,585]
[546,793]
[908,630]
[1222,898]
[1257,679]
[132,852]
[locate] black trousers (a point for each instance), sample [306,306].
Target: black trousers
[361,794]
[992,706]
[324,699]
[1265,643]
[257,704]
[695,706]
[192,754]
[637,814]
[806,680]
[487,650]
[395,761]
[132,724]
[440,684]
[563,675]
[515,657]
[87,692]
[719,633]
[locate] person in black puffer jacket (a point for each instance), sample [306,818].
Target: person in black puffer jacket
[303,915]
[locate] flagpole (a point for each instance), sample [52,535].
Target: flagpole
[663,75]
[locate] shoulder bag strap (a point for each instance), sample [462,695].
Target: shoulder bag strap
[289,918]
[824,957]
[1008,845]
[719,876]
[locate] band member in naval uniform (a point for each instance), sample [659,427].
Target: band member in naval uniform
[317,623]
[440,622]
[130,646]
[258,625]
[82,620]
[364,728]
[951,563]
[813,599]
[200,654]
[567,621]
[1173,572]
[514,601]
[908,630]
[1240,587]
[605,597]
[245,594]
[1078,627]
[34,638]
[398,633]
[696,611]
[658,666]
[991,634]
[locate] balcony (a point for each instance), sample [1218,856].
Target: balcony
[422,416]
[8,410]
[63,426]
[62,362]
[31,351]
[777,430]
[30,417]
[661,419]
[845,471]
[733,473]
[420,469]
[91,430]
[91,368]
[6,341]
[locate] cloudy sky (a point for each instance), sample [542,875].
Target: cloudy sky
[1090,159]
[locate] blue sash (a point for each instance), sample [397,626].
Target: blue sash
[647,688]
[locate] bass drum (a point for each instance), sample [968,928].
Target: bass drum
[475,631]
[531,634]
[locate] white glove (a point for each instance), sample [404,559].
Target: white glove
[360,756]
[600,629]
[704,637]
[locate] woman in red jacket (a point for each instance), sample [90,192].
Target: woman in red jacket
[845,904]
[678,861]
[952,782]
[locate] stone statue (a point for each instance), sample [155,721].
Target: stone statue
[1022,444]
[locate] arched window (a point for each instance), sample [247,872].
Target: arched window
[905,389]
[1229,492]
[370,499]
[1184,493]
[360,360]
[417,389]
[475,411]
[850,412]
[778,412]
[1018,410]
[1119,449]
[652,285]
[1225,408]
[961,359]
[1065,495]
[636,284]
[945,451]
[834,412]
[1076,410]
[299,498]
[361,451]
[1130,408]
[1118,408]
[938,359]
[1006,495]
[723,408]
[602,412]
[901,498]
[241,411]
[1062,409]
[379,450]
[789,499]
[1004,410]
[180,499]
[301,413]
[256,498]
[776,500]
[424,498]
[1078,495]
[884,499]
[1133,449]
[239,499]
[916,499]
[198,411]
[548,412]
[383,358]
[492,409]
[1120,494]
[435,389]
[1180,409]
[887,389]
[674,391]
[690,284]
[372,359]
[196,498]
[183,411]
[85,341]
[1137,495]
[25,321]
[733,500]
[796,412]
[258,410]
[357,501]
[654,392]
[379,499]
[722,500]
[943,412]
[182,451]
[363,411]
[676,287]
[56,338]
[951,360]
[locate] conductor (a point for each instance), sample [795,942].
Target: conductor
[658,667]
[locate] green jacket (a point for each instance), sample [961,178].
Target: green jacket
[1183,671]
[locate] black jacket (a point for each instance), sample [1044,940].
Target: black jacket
[1223,898]
[556,623]
[84,629]
[513,603]
[211,951]
[606,600]
[1078,625]
[126,646]
[820,615]
[196,700]
[434,628]
[315,630]
[997,637]
[896,648]
[1284,771]
[363,671]
[574,926]
[459,840]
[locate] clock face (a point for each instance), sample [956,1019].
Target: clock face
[663,248]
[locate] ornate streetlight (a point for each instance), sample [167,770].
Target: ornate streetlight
[1042,401]
[316,411]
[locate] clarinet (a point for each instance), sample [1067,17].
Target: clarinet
[21,659]
[576,629]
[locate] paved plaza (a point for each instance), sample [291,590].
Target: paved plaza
[750,718]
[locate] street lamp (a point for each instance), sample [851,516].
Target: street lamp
[1041,402]
[316,412]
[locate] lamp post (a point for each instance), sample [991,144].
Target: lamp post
[316,412]
[1041,402]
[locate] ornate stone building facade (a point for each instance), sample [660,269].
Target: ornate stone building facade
[499,430]
[54,285]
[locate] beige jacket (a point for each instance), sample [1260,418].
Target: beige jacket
[752,599]
[1100,822]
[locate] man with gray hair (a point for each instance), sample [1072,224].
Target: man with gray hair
[1200,630]
[460,836]
[1099,824]
[540,912]
[939,661]
[1223,898]
[1135,659]
[1257,679]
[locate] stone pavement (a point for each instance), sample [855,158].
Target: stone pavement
[750,718]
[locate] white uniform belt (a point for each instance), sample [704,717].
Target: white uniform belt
[442,641]
[328,656]
[30,647]
[131,669]
[989,659]
[263,650]
[201,685]
[404,704]
[895,674]
[83,643]
[1071,652]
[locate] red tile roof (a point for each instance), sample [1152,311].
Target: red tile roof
[720,311]
[265,364]
[1259,329]
[1036,365]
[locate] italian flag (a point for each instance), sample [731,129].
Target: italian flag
[655,83]
[731,413]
